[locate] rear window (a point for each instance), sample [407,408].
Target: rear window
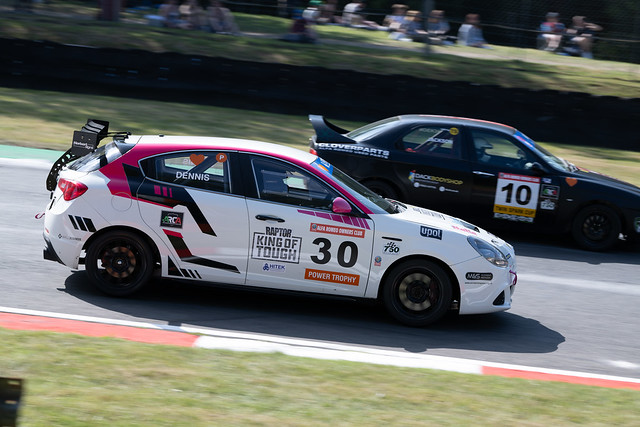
[101,157]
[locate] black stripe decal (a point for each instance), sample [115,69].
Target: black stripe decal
[81,223]
[185,255]
[172,269]
[185,272]
[89,224]
[73,222]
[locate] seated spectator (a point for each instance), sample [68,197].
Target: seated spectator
[328,13]
[581,35]
[220,19]
[470,33]
[353,16]
[551,33]
[396,20]
[170,14]
[193,15]
[301,30]
[312,12]
[414,28]
[438,27]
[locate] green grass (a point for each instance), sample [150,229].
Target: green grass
[340,48]
[47,119]
[77,381]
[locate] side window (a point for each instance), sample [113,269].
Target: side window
[208,170]
[439,141]
[284,183]
[498,150]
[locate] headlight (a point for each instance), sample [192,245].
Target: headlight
[488,251]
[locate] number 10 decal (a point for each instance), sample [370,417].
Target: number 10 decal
[516,197]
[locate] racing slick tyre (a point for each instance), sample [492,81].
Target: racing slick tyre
[417,293]
[381,188]
[596,228]
[119,263]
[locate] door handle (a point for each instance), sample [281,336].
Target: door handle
[269,218]
[483,173]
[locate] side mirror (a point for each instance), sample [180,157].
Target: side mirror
[537,168]
[340,206]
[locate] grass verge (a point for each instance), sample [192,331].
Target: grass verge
[46,119]
[76,381]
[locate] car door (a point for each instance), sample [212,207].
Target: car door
[508,190]
[297,242]
[189,201]
[430,165]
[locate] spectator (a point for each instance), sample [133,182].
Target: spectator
[170,14]
[301,30]
[328,13]
[581,35]
[551,33]
[220,19]
[415,27]
[396,20]
[312,12]
[193,15]
[438,27]
[351,14]
[470,33]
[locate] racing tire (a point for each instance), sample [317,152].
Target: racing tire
[119,263]
[382,188]
[417,293]
[596,228]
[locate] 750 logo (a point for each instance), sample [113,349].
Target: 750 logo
[391,248]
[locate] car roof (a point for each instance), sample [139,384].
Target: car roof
[156,144]
[460,121]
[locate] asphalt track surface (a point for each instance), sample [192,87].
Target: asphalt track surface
[575,314]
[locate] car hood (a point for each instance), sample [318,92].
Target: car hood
[440,221]
[599,178]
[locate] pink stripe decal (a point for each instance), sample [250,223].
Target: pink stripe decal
[358,222]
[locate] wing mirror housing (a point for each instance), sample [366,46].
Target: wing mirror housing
[340,206]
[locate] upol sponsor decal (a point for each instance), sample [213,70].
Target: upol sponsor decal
[434,233]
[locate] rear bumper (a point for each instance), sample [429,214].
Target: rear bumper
[49,253]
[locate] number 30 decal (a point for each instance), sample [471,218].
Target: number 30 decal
[516,195]
[345,248]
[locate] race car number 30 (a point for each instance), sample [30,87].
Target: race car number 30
[516,197]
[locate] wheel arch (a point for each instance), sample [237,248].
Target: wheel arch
[386,181]
[152,244]
[454,280]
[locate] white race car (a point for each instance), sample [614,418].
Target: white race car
[250,213]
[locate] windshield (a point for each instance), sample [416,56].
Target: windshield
[367,197]
[370,130]
[552,160]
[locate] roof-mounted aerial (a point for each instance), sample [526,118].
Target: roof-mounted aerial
[84,141]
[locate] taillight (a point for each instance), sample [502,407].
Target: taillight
[71,189]
[313,151]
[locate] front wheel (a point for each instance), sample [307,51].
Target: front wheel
[417,293]
[596,228]
[119,263]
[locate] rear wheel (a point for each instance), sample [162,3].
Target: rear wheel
[417,293]
[119,263]
[382,188]
[596,228]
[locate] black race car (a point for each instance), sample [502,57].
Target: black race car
[485,172]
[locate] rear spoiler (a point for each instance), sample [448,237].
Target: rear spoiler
[327,131]
[84,141]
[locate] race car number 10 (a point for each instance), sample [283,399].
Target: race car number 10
[516,197]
